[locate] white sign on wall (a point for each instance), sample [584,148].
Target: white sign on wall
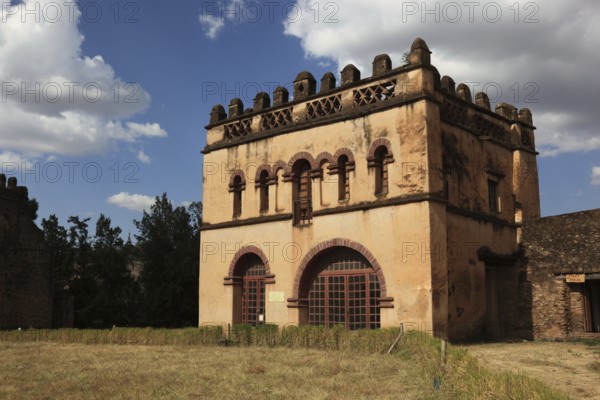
[276,297]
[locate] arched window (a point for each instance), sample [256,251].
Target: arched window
[343,289]
[302,193]
[381,173]
[343,178]
[249,291]
[264,191]
[237,188]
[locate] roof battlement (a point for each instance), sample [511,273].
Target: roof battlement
[10,192]
[354,97]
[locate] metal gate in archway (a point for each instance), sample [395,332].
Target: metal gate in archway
[344,291]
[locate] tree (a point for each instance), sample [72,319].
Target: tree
[168,248]
[83,285]
[32,208]
[93,271]
[61,254]
[195,209]
[406,58]
[112,301]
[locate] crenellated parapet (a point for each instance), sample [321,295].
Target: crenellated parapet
[356,96]
[505,124]
[311,105]
[10,192]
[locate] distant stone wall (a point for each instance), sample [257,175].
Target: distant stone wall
[25,270]
[554,247]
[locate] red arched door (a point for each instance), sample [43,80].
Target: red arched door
[253,292]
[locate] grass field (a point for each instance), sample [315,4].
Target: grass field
[77,371]
[572,367]
[287,364]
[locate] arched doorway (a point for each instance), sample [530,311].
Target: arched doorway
[342,288]
[249,291]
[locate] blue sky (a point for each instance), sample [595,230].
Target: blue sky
[160,66]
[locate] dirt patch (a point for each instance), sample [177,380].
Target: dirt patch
[571,367]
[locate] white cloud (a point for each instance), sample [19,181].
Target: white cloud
[595,176]
[214,15]
[134,202]
[14,164]
[212,25]
[149,130]
[56,100]
[186,203]
[540,57]
[8,157]
[143,157]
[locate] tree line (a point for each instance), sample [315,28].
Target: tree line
[115,282]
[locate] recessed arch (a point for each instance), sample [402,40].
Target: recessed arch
[302,155]
[376,144]
[235,173]
[314,253]
[320,160]
[344,151]
[323,158]
[240,254]
[259,171]
[279,165]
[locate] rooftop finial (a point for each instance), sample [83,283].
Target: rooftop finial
[262,101]
[419,52]
[217,114]
[350,74]
[305,85]
[482,100]
[236,108]
[327,82]
[506,110]
[280,96]
[525,116]
[448,85]
[381,64]
[463,92]
[12,183]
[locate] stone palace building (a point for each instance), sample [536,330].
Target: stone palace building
[397,198]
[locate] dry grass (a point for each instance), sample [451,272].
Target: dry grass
[297,362]
[78,371]
[571,367]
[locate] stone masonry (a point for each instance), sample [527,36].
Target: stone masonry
[25,271]
[555,247]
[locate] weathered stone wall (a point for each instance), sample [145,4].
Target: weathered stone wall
[553,247]
[25,281]
[576,307]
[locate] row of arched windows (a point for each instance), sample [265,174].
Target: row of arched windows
[302,168]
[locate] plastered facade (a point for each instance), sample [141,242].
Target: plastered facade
[432,236]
